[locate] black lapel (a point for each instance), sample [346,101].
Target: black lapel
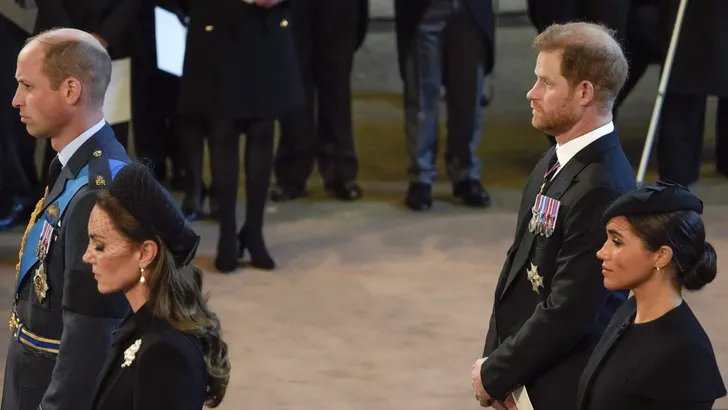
[524,211]
[609,338]
[133,324]
[97,142]
[566,178]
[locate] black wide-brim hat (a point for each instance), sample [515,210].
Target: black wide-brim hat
[159,214]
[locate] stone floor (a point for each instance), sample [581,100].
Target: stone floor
[374,307]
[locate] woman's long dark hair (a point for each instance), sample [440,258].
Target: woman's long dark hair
[175,295]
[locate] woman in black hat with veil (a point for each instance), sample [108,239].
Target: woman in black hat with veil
[168,352]
[654,354]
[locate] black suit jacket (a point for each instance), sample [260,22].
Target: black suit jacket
[408,13]
[543,340]
[240,61]
[111,19]
[675,370]
[167,370]
[701,62]
[74,311]
[612,13]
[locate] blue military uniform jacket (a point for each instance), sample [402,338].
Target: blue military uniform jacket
[61,325]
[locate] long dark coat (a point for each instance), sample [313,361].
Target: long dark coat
[701,59]
[240,61]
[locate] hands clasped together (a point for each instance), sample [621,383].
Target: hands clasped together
[482,396]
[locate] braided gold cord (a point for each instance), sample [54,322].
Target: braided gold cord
[33,217]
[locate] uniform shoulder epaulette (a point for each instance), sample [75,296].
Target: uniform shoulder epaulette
[102,169]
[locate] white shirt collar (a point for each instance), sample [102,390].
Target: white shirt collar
[66,153]
[565,152]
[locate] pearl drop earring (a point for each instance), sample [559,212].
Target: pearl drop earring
[141,279]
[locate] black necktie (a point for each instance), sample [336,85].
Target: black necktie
[54,171]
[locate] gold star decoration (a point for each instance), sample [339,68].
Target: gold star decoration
[535,279]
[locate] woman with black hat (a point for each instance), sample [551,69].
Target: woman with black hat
[168,352]
[654,354]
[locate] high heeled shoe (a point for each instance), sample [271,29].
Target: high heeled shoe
[259,256]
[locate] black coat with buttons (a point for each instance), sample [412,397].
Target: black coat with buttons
[152,366]
[240,61]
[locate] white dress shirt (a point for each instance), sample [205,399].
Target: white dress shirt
[565,152]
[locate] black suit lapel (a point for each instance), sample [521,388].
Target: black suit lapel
[567,177]
[524,212]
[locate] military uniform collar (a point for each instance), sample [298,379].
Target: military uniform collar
[67,153]
[85,151]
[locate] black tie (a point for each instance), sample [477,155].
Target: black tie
[54,172]
[553,160]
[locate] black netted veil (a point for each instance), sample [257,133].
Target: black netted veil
[156,210]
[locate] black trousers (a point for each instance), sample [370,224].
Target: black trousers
[154,112]
[321,131]
[679,143]
[448,49]
[223,136]
[18,176]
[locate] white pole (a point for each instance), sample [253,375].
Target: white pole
[661,93]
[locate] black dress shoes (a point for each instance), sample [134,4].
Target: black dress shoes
[284,193]
[472,193]
[419,196]
[345,191]
[17,214]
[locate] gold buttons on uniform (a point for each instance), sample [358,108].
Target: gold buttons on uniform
[284,23]
[209,28]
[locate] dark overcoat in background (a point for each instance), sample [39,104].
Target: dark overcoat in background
[240,61]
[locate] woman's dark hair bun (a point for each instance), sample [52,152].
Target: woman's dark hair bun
[704,271]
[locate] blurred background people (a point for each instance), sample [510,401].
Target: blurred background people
[154,95]
[327,34]
[700,69]
[240,75]
[19,185]
[450,43]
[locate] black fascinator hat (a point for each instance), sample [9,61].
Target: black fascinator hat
[662,197]
[156,210]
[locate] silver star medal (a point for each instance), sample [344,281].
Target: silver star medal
[535,279]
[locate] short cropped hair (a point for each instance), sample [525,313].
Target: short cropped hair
[74,57]
[589,52]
